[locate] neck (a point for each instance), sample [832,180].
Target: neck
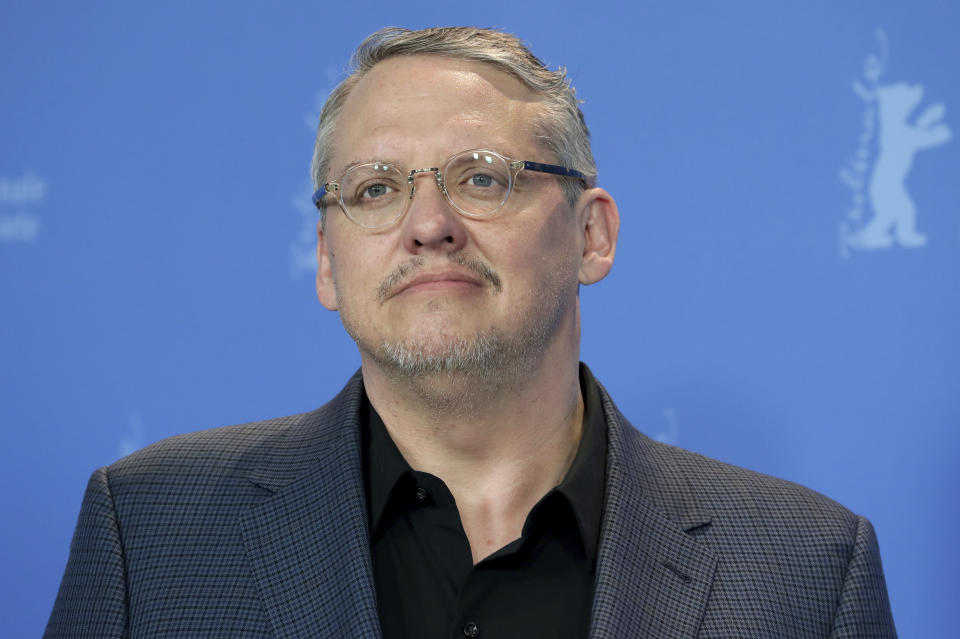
[499,443]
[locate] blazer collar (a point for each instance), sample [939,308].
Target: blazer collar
[653,579]
[308,542]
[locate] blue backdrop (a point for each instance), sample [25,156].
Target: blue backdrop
[785,295]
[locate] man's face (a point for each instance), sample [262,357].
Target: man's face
[436,290]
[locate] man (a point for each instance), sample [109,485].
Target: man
[472,479]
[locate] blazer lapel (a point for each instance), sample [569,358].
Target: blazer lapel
[653,579]
[308,542]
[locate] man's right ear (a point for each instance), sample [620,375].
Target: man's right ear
[326,291]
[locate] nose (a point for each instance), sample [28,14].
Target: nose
[431,222]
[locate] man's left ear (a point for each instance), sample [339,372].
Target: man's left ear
[600,221]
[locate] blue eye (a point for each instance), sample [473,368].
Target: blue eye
[481,179]
[376,190]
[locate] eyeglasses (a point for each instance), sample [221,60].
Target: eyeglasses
[476,183]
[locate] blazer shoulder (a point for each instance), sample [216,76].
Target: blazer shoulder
[723,483]
[209,447]
[282,440]
[680,481]
[274,445]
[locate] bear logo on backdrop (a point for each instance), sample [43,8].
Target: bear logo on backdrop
[882,213]
[20,197]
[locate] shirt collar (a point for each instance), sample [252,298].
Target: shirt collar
[584,483]
[582,486]
[384,465]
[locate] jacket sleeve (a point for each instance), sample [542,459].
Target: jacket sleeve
[92,601]
[863,609]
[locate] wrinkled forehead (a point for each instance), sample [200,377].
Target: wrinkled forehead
[422,109]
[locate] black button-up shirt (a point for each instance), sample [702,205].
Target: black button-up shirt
[540,585]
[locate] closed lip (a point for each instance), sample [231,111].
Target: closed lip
[436,276]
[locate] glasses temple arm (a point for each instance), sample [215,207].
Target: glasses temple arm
[554,169]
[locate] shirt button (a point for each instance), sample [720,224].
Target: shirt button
[471,630]
[421,495]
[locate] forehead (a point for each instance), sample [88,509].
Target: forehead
[422,109]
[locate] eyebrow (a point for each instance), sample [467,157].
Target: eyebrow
[353,163]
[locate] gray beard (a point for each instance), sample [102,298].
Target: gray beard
[459,374]
[481,355]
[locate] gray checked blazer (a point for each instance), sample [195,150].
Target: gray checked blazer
[260,530]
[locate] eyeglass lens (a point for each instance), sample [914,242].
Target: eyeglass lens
[477,183]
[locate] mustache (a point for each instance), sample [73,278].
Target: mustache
[397,275]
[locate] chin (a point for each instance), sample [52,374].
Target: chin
[480,353]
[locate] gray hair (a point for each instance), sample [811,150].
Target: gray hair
[561,127]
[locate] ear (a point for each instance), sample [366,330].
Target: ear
[600,221]
[326,290]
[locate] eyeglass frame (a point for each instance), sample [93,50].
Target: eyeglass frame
[512,165]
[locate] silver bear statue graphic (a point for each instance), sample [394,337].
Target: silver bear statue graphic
[895,214]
